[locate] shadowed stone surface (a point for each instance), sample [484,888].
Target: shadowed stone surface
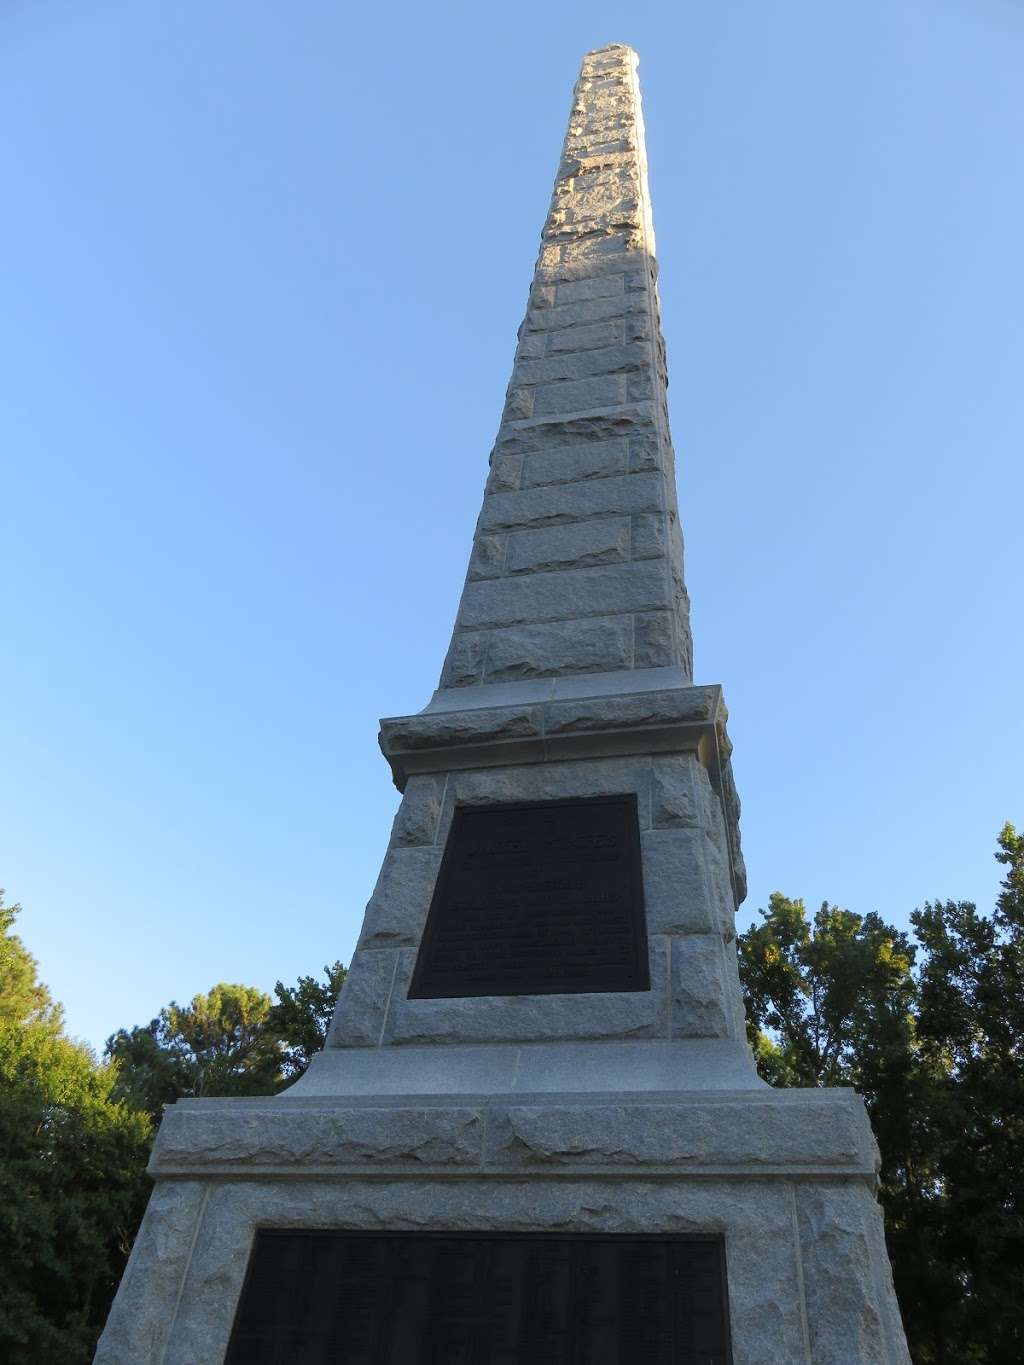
[547,650]
[528,1018]
[767,1271]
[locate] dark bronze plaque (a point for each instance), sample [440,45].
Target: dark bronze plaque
[537,899]
[349,1298]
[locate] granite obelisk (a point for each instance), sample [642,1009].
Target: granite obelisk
[536,1133]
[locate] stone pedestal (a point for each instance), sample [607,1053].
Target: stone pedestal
[568,677]
[630,1112]
[786,1177]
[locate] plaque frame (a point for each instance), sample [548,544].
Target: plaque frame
[632,975]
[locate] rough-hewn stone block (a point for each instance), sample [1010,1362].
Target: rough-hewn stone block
[576,545]
[640,384]
[138,1330]
[505,473]
[219,1138]
[595,287]
[742,1133]
[674,801]
[532,344]
[571,314]
[601,459]
[650,536]
[598,644]
[488,557]
[416,821]
[581,364]
[518,404]
[445,729]
[851,1309]
[359,1016]
[540,432]
[579,395]
[700,1006]
[639,710]
[676,890]
[397,910]
[645,453]
[654,640]
[585,338]
[464,664]
[541,506]
[606,590]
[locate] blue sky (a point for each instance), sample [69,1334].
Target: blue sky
[264,267]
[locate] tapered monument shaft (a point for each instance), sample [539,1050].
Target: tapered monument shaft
[577,563]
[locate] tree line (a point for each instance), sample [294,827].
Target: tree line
[927,1026]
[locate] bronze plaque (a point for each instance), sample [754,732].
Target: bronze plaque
[350,1298]
[542,898]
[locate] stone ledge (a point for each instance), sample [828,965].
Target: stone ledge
[547,726]
[433,741]
[813,1134]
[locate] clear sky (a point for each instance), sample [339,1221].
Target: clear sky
[264,265]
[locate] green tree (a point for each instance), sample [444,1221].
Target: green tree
[932,1035]
[231,1041]
[72,1187]
[219,1043]
[301,1017]
[971,1028]
[834,994]
[150,1073]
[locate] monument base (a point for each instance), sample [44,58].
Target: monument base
[784,1178]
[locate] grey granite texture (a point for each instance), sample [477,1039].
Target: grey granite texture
[759,1132]
[558,503]
[574,593]
[782,1310]
[688,896]
[145,1309]
[605,540]
[362,1007]
[677,893]
[532,1018]
[599,460]
[584,438]
[842,1247]
[397,910]
[594,645]
[641,1066]
[546,727]
[417,817]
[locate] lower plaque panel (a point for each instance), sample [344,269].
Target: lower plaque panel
[351,1298]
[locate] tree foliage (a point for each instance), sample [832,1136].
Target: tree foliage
[234,1040]
[75,1133]
[72,1186]
[301,1016]
[932,1035]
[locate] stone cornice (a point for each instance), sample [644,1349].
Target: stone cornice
[558,727]
[810,1134]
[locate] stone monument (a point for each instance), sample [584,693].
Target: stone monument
[536,1133]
